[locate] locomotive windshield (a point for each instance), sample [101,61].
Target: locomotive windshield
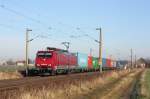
[44,55]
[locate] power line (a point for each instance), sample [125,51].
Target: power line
[46,36]
[78,29]
[23,15]
[84,35]
[39,22]
[13,28]
[20,14]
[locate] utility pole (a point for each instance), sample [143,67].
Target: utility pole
[135,61]
[131,58]
[100,48]
[27,41]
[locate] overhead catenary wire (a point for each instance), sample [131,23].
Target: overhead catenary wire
[25,16]
[13,28]
[35,20]
[49,28]
[39,22]
[84,35]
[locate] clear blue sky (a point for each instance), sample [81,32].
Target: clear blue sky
[125,24]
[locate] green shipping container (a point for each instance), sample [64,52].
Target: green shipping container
[95,63]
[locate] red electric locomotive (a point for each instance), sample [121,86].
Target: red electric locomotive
[55,60]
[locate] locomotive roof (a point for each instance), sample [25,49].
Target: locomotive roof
[51,49]
[56,49]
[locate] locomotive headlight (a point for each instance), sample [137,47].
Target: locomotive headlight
[49,65]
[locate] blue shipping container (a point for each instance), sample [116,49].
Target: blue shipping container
[104,62]
[82,60]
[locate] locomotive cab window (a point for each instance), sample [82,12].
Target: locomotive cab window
[44,55]
[48,55]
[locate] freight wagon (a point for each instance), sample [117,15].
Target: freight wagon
[108,64]
[82,61]
[95,62]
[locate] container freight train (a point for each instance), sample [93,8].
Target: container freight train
[55,60]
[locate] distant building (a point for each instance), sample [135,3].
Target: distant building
[141,62]
[20,63]
[3,63]
[11,62]
[123,64]
[31,65]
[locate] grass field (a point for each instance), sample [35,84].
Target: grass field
[93,89]
[146,85]
[10,72]
[71,91]
[11,68]
[13,72]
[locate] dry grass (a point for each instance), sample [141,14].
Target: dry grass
[122,86]
[71,91]
[10,75]
[145,85]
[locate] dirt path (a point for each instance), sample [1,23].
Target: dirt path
[118,89]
